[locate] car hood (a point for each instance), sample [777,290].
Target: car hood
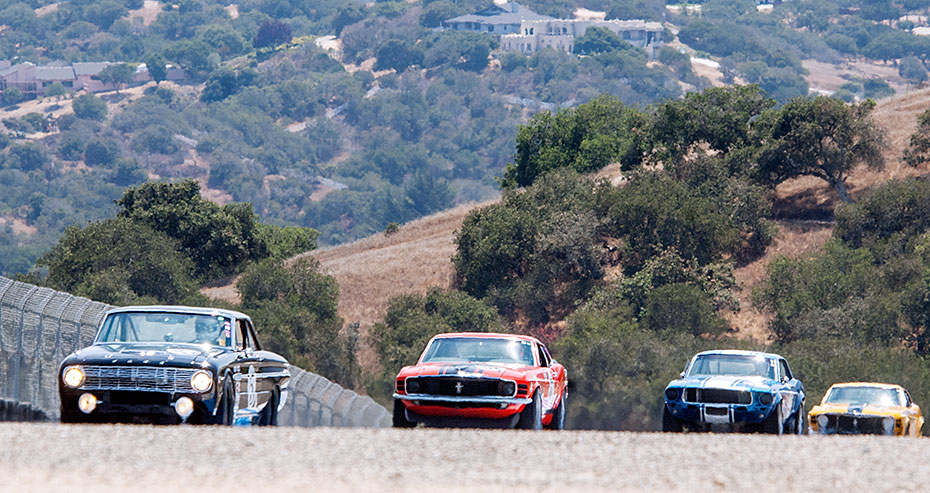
[468,370]
[176,354]
[760,384]
[857,409]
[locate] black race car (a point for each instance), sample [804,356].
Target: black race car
[173,364]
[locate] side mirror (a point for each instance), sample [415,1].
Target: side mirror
[682,374]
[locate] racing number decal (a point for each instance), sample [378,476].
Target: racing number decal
[250,393]
[457,369]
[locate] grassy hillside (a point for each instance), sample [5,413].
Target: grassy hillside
[373,270]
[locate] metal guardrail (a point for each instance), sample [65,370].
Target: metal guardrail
[40,326]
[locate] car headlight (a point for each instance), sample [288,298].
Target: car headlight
[671,394]
[73,376]
[888,424]
[506,388]
[201,381]
[412,386]
[822,421]
[765,399]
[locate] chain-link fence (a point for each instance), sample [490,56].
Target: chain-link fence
[40,326]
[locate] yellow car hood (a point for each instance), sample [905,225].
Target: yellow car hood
[866,410]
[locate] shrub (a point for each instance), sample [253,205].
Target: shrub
[294,307]
[100,152]
[120,262]
[89,107]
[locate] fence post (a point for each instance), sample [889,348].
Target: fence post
[18,360]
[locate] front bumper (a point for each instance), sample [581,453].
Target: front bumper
[470,407]
[462,399]
[719,414]
[124,406]
[856,424]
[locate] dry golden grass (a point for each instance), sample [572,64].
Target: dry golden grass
[373,270]
[794,240]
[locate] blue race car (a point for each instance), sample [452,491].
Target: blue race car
[736,391]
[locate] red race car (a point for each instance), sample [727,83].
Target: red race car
[482,379]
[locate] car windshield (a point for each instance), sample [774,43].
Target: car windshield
[863,395]
[733,364]
[479,349]
[166,327]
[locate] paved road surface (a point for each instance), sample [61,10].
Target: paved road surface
[54,457]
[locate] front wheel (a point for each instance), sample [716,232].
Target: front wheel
[800,421]
[531,415]
[400,415]
[558,416]
[669,422]
[269,416]
[774,424]
[226,411]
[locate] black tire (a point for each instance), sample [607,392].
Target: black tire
[670,423]
[800,421]
[531,415]
[774,424]
[269,416]
[400,415]
[227,409]
[558,416]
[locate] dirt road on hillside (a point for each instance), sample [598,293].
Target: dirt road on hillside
[53,457]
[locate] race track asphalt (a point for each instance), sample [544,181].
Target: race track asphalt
[94,458]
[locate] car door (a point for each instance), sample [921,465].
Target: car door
[546,378]
[793,390]
[912,415]
[245,372]
[558,375]
[268,370]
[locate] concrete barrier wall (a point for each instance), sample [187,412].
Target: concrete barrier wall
[40,326]
[20,411]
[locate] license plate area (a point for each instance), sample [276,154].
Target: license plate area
[716,411]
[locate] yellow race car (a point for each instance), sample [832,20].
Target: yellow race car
[866,408]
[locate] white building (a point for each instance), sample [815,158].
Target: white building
[560,34]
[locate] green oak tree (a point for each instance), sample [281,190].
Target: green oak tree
[819,136]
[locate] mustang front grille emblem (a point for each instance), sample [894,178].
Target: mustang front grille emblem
[458,388]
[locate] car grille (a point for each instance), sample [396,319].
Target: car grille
[453,386]
[133,398]
[866,425]
[718,396]
[142,378]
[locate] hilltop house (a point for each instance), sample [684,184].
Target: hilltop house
[85,73]
[560,34]
[81,75]
[21,76]
[495,19]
